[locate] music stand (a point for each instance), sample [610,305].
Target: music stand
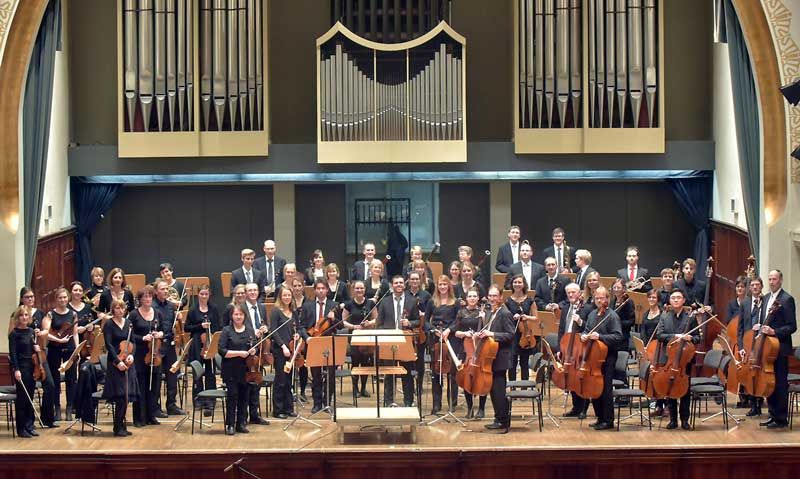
[327,352]
[449,414]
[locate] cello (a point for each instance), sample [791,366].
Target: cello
[757,372]
[475,375]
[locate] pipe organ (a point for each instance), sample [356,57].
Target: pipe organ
[589,76]
[390,21]
[400,102]
[192,78]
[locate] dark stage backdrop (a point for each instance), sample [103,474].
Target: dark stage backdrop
[464,219]
[201,230]
[319,218]
[605,218]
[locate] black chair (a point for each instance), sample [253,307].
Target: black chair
[794,396]
[528,393]
[214,395]
[630,394]
[8,400]
[794,377]
[534,361]
[701,392]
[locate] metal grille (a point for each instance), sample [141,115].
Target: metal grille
[390,21]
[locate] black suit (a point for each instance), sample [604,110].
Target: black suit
[357,271]
[783,320]
[610,333]
[386,320]
[581,278]
[505,257]
[669,325]
[277,268]
[253,323]
[748,317]
[550,252]
[310,318]
[503,328]
[258,277]
[624,274]
[544,293]
[537,271]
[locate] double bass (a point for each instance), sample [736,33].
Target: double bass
[587,380]
[475,373]
[570,348]
[757,368]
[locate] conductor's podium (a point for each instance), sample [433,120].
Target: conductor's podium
[383,417]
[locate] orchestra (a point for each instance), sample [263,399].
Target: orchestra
[452,322]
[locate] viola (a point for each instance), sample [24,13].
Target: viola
[153,356]
[253,362]
[757,372]
[440,361]
[527,339]
[39,360]
[475,375]
[421,337]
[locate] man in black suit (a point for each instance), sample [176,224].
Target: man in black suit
[272,267]
[360,269]
[258,322]
[550,287]
[571,321]
[560,251]
[633,271]
[583,261]
[778,319]
[166,308]
[750,319]
[399,311]
[499,326]
[508,253]
[247,273]
[315,312]
[531,270]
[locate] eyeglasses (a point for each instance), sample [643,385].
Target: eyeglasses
[28,296]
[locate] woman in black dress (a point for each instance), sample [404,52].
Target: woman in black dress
[21,348]
[375,284]
[235,345]
[650,320]
[337,290]
[521,308]
[41,327]
[467,282]
[454,272]
[317,268]
[467,323]
[441,312]
[203,318]
[121,386]
[59,348]
[282,334]
[147,327]
[97,287]
[116,290]
[356,312]
[298,293]
[425,281]
[83,312]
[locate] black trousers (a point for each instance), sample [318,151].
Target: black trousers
[25,414]
[55,356]
[408,384]
[120,410]
[144,409]
[237,395]
[253,402]
[604,405]
[578,403]
[519,356]
[778,401]
[685,402]
[499,400]
[360,357]
[302,374]
[48,397]
[205,382]
[439,382]
[282,387]
[170,356]
[468,398]
[320,398]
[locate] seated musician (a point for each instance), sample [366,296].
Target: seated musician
[571,321]
[416,255]
[674,325]
[603,324]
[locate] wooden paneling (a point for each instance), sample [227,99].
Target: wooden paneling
[731,249]
[54,266]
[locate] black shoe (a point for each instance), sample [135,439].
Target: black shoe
[24,434]
[470,413]
[259,420]
[582,415]
[128,433]
[175,411]
[229,430]
[50,425]
[778,425]
[160,414]
[672,425]
[139,424]
[494,425]
[241,428]
[685,425]
[280,416]
[364,393]
[754,411]
[572,413]
[33,433]
[767,422]
[120,434]
[594,424]
[153,421]
[602,426]
[316,409]
[480,414]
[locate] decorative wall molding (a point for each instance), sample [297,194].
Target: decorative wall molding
[7,9]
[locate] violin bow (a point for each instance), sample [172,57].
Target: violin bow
[30,400]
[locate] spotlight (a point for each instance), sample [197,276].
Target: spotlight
[792,92]
[796,153]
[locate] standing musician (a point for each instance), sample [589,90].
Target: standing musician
[610,333]
[468,282]
[674,325]
[376,285]
[121,386]
[317,269]
[633,272]
[361,268]
[21,348]
[247,273]
[583,266]
[41,328]
[454,272]
[425,280]
[626,311]
[317,313]
[440,312]
[416,255]
[238,296]
[235,346]
[337,290]
[298,293]
[272,266]
[573,315]
[550,288]
[203,318]
[167,309]
[98,277]
[592,283]
[750,318]
[468,321]
[289,274]
[650,319]
[520,305]
[508,253]
[415,287]
[667,285]
[354,317]
[148,325]
[735,305]
[693,288]
[560,251]
[529,269]
[283,312]
[83,313]
[465,256]
[166,271]
[498,326]
[398,311]
[257,322]
[782,324]
[60,347]
[117,289]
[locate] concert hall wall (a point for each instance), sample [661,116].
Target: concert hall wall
[605,218]
[464,220]
[319,219]
[201,230]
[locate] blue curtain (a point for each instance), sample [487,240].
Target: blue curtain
[748,126]
[694,197]
[36,106]
[90,201]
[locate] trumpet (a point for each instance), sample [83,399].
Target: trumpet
[637,283]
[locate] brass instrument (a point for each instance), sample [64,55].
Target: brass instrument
[172,294]
[565,256]
[637,283]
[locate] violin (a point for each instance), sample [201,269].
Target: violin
[64,331]
[422,338]
[39,360]
[441,362]
[253,362]
[153,356]
[323,324]
[475,374]
[757,371]
[126,347]
[527,339]
[297,359]
[588,380]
